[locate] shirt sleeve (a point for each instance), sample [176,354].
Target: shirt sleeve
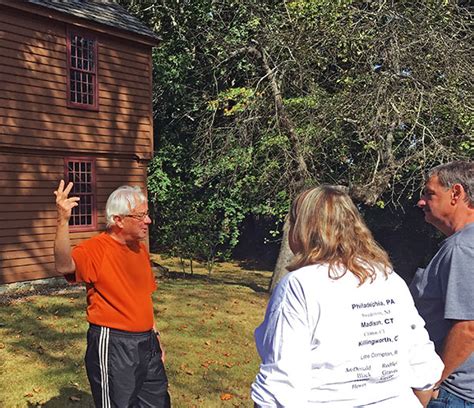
[85,268]
[284,344]
[153,284]
[459,301]
[425,366]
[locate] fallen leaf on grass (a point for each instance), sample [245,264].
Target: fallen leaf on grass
[36,390]
[207,343]
[226,397]
[75,384]
[228,365]
[186,369]
[74,398]
[2,346]
[39,318]
[28,395]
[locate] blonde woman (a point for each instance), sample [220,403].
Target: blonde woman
[341,329]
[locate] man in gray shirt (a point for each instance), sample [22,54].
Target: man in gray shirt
[444,291]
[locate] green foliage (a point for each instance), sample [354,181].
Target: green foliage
[372,94]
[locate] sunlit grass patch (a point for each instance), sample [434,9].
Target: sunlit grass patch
[206,323]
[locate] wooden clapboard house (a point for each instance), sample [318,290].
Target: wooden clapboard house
[75,103]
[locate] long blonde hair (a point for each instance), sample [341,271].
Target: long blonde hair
[326,227]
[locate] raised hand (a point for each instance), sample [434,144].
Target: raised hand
[65,204]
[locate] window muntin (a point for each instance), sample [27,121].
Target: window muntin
[81,172]
[82,71]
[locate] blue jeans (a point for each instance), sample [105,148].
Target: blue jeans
[447,400]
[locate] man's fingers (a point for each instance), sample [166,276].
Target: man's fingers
[60,188]
[68,188]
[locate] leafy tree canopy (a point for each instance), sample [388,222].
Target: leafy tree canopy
[253,101]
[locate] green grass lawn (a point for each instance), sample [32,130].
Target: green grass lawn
[206,324]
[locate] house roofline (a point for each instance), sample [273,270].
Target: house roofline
[82,22]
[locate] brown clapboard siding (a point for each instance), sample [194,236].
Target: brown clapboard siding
[27,233]
[11,80]
[75,145]
[13,49]
[69,124]
[42,66]
[38,130]
[32,239]
[111,86]
[22,104]
[140,124]
[38,31]
[24,273]
[53,97]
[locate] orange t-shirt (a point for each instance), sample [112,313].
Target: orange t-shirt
[119,283]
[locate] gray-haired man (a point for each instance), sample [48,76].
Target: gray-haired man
[123,358]
[444,291]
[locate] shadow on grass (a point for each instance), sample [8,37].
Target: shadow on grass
[42,328]
[221,279]
[68,397]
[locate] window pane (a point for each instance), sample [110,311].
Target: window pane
[82,72]
[80,172]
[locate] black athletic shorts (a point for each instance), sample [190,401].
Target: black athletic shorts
[125,369]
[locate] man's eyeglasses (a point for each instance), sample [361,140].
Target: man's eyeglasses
[140,216]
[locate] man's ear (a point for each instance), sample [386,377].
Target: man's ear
[118,221]
[458,193]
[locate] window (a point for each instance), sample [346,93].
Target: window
[82,173]
[82,71]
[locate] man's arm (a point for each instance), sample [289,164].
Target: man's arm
[423,396]
[62,244]
[458,346]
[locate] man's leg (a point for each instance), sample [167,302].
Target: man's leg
[114,367]
[154,391]
[96,365]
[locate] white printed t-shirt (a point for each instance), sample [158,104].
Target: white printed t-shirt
[330,343]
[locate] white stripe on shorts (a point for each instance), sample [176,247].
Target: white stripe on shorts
[103,364]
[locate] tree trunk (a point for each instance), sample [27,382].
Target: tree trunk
[284,258]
